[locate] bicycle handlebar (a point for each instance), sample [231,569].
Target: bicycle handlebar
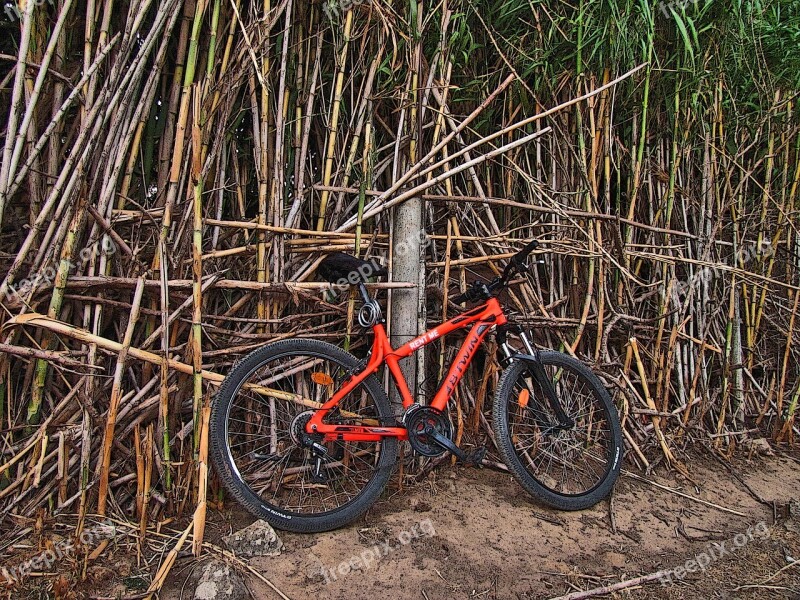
[480,290]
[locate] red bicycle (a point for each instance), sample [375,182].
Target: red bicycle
[303,434]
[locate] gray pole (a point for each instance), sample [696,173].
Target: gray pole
[408,250]
[408,305]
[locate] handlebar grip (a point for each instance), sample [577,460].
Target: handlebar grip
[519,257]
[472,294]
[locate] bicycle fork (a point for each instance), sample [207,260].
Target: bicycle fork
[535,368]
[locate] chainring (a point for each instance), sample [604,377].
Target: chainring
[418,421]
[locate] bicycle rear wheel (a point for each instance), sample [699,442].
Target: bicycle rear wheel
[257,422]
[569,468]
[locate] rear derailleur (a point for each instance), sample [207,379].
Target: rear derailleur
[312,442]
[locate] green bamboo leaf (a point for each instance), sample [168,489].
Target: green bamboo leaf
[684,33]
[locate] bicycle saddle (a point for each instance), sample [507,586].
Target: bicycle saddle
[340,266]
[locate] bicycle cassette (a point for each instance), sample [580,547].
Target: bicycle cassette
[418,421]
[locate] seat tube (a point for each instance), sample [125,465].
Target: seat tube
[400,381]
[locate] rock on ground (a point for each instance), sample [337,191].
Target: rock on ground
[761,446]
[220,582]
[258,539]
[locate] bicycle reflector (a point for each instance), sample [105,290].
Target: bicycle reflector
[321,378]
[523,398]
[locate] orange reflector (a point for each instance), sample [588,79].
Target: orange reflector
[523,398]
[322,378]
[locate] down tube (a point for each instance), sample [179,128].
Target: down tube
[461,362]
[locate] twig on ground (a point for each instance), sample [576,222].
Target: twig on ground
[607,589]
[682,494]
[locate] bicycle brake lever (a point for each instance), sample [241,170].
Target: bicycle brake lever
[526,267]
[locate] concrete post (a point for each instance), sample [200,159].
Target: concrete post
[408,305]
[408,249]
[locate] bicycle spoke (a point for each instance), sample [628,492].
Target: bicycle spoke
[567,460]
[260,422]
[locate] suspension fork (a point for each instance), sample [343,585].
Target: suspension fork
[535,368]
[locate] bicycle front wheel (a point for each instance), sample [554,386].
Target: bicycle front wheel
[567,467]
[257,426]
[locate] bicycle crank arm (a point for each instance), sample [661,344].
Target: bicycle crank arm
[473,458]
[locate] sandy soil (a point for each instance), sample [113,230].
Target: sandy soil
[467,533]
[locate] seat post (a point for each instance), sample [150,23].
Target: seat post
[364,293]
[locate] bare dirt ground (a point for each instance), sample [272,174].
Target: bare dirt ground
[467,533]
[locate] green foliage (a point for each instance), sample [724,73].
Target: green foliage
[752,46]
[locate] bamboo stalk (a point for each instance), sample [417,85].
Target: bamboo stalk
[650,404]
[199,520]
[116,392]
[334,119]
[16,99]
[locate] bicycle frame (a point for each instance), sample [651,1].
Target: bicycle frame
[481,318]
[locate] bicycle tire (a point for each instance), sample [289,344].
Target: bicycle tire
[226,467]
[536,410]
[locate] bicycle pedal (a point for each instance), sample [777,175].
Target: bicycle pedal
[319,478]
[475,457]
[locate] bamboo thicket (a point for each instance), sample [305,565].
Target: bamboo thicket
[172,172]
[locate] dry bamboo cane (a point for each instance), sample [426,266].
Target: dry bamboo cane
[140,483]
[780,426]
[201,409]
[334,119]
[414,170]
[33,100]
[294,211]
[116,347]
[116,392]
[161,260]
[58,117]
[415,191]
[651,405]
[261,125]
[160,577]
[202,503]
[16,101]
[278,175]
